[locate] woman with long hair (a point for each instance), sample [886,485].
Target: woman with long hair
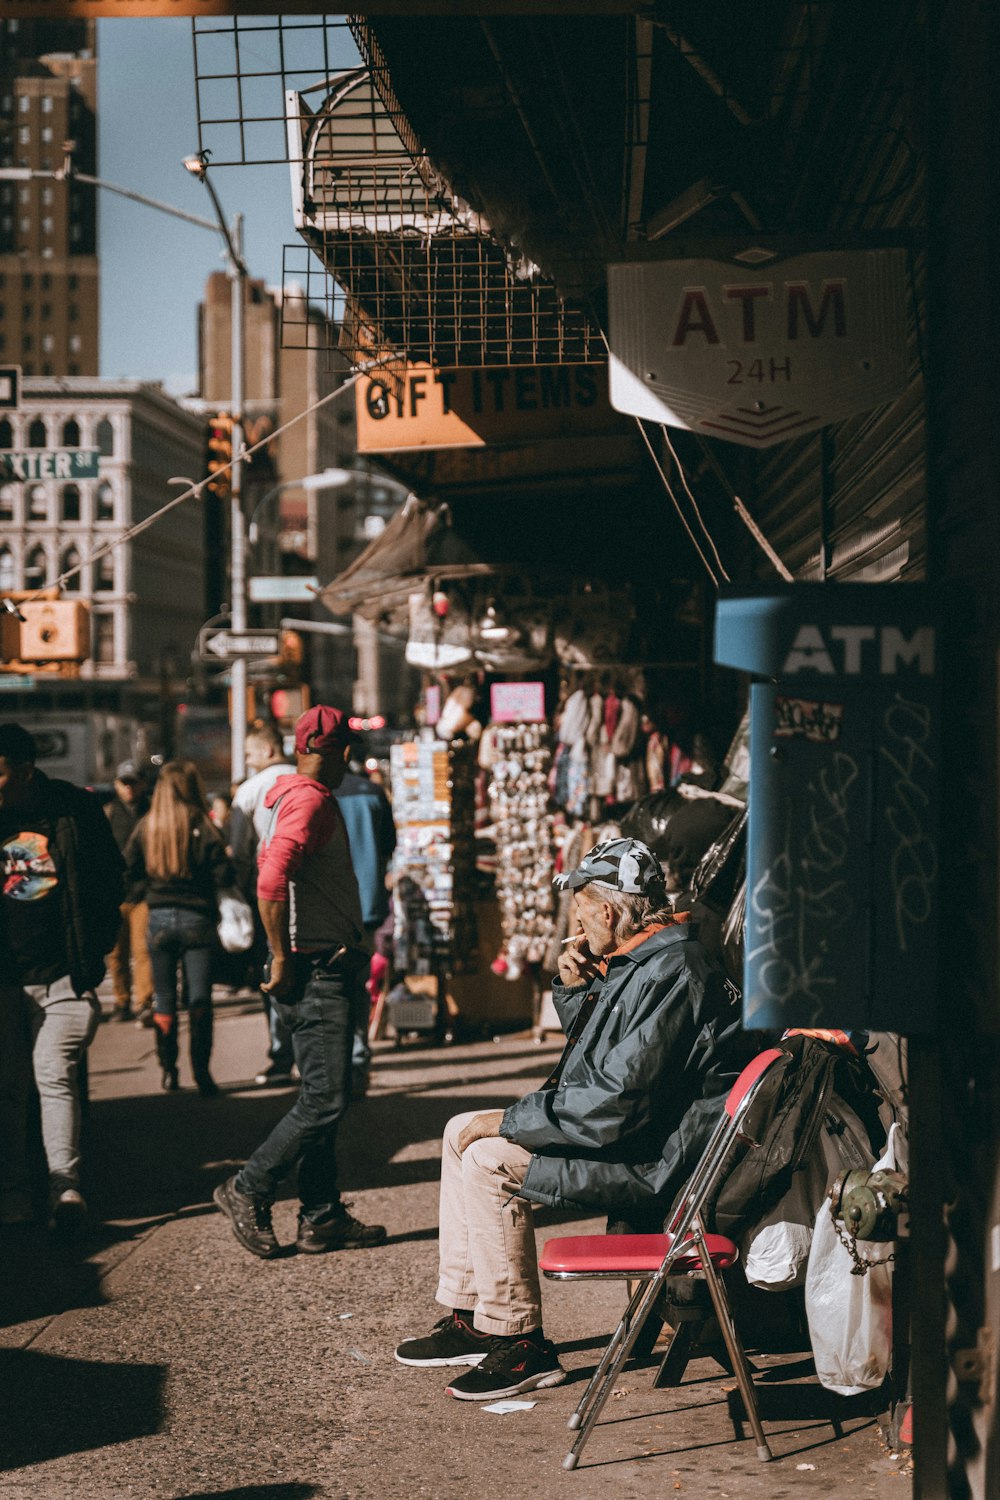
[176,862]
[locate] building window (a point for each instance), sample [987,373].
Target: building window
[105,502]
[24,104]
[75,343]
[71,433]
[35,568]
[46,104]
[104,638]
[27,310]
[71,283]
[38,503]
[24,135]
[71,502]
[47,225]
[45,311]
[48,342]
[46,133]
[104,574]
[37,436]
[72,312]
[73,368]
[8,494]
[8,570]
[6,434]
[70,559]
[27,344]
[105,438]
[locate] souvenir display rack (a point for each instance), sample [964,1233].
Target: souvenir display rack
[432,801]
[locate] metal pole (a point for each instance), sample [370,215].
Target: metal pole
[237,565]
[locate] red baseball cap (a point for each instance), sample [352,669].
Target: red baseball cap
[322,730]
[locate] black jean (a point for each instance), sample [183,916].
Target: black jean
[320,1012]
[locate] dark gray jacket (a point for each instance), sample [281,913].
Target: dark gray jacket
[642,1085]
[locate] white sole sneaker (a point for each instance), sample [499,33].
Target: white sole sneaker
[530,1383]
[429,1364]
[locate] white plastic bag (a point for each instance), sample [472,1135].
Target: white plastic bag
[776,1256]
[235,924]
[850,1317]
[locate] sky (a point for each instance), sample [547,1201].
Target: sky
[153,267]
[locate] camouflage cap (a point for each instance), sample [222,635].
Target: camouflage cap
[623,863]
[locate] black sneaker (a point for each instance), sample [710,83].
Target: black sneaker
[250,1218]
[452,1341]
[341,1233]
[510,1367]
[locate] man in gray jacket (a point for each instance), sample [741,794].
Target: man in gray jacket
[653,1043]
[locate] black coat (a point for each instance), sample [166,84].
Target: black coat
[642,1086]
[90,873]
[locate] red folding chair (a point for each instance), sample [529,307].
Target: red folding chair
[682,1249]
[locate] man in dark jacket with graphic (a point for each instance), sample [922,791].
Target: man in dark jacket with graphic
[59,913]
[653,1045]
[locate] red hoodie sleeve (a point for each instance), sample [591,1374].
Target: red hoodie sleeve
[305,822]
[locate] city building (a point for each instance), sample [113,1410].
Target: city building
[48,222]
[144,595]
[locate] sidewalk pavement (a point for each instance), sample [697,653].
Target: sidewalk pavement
[157,1358]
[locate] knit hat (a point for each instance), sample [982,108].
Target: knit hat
[322,730]
[623,863]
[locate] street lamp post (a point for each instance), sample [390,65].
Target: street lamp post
[236,270]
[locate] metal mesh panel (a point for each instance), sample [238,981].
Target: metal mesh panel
[243,67]
[404,267]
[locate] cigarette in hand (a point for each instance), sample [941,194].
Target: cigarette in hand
[577,937]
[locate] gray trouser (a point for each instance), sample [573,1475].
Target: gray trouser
[46,1028]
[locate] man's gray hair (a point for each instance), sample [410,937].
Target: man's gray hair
[633,913]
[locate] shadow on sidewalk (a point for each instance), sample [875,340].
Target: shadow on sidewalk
[152,1155]
[257,1492]
[55,1406]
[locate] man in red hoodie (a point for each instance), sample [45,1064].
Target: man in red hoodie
[309,903]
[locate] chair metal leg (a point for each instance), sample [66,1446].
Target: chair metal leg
[638,1312]
[621,1331]
[741,1367]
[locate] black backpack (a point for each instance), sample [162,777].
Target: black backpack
[822,1088]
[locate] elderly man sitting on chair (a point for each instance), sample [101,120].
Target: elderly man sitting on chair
[652,1036]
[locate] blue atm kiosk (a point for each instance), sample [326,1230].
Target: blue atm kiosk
[842,851]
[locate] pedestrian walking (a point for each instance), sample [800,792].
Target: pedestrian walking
[128,962]
[176,862]
[266,760]
[308,898]
[371,833]
[59,915]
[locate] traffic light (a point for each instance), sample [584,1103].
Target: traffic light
[292,653]
[289,703]
[219,457]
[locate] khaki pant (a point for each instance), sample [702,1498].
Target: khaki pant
[487,1236]
[128,962]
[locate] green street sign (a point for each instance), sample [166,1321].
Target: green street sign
[50,463]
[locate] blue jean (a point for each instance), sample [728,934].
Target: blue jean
[179,936]
[320,1013]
